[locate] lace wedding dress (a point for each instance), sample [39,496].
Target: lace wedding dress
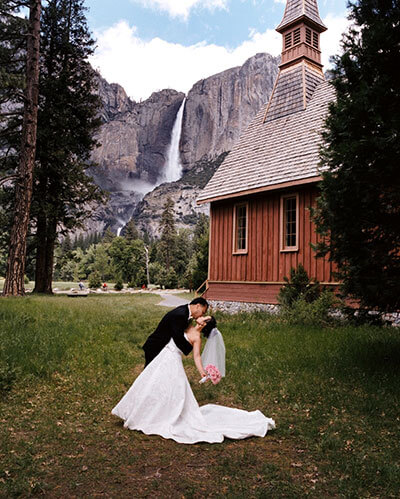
[161,402]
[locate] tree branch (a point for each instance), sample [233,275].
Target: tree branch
[8,178]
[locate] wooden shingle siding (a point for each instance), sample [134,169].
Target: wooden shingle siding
[288,95]
[295,9]
[283,150]
[264,262]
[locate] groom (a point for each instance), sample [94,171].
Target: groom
[173,325]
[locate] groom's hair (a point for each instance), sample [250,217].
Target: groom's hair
[200,301]
[211,324]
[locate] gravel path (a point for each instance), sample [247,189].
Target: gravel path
[170,300]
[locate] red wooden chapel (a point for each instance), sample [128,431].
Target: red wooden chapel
[260,222]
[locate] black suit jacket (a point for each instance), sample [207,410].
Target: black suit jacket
[172,325]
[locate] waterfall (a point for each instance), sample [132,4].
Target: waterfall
[173,167]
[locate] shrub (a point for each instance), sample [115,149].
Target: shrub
[156,270]
[303,302]
[94,280]
[362,317]
[171,279]
[315,313]
[138,279]
[298,286]
[119,285]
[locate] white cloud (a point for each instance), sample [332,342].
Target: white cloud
[143,67]
[182,8]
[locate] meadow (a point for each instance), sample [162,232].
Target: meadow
[64,363]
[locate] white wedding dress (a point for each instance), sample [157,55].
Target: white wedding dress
[161,402]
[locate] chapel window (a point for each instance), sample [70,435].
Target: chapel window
[289,222]
[240,228]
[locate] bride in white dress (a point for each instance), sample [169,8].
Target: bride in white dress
[161,401]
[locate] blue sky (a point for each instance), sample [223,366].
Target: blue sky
[147,45]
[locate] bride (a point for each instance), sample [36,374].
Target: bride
[161,402]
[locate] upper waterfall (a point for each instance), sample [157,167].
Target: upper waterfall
[173,167]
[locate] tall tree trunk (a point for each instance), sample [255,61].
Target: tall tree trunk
[50,243]
[41,239]
[46,239]
[14,283]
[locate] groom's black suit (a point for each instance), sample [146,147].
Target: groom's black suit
[172,325]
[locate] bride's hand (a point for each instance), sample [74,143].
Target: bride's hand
[202,321]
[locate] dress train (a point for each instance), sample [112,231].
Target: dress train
[161,402]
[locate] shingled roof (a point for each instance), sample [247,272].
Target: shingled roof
[295,9]
[293,90]
[274,152]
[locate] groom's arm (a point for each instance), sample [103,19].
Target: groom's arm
[178,324]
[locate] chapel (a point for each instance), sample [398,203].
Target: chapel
[261,195]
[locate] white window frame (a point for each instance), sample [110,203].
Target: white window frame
[236,250]
[284,247]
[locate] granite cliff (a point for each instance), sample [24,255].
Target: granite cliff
[219,109]
[134,140]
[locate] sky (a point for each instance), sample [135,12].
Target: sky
[149,45]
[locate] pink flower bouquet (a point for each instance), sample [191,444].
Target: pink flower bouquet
[213,374]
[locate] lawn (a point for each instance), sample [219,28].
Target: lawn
[334,394]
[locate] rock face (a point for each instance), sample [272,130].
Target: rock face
[183,192]
[114,98]
[132,150]
[219,109]
[135,137]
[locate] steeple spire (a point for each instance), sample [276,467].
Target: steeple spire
[298,9]
[301,27]
[300,69]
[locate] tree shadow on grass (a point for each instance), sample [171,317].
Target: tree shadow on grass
[377,356]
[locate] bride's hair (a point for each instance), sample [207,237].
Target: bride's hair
[211,324]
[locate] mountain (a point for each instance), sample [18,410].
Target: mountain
[220,108]
[132,149]
[135,137]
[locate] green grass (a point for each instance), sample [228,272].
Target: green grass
[334,393]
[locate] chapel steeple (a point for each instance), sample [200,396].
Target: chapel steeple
[300,71]
[301,27]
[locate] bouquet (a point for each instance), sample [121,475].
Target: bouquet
[213,374]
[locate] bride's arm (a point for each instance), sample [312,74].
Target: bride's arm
[197,357]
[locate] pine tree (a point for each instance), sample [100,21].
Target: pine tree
[108,236]
[183,251]
[13,36]
[67,122]
[359,207]
[167,245]
[200,242]
[131,233]
[14,284]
